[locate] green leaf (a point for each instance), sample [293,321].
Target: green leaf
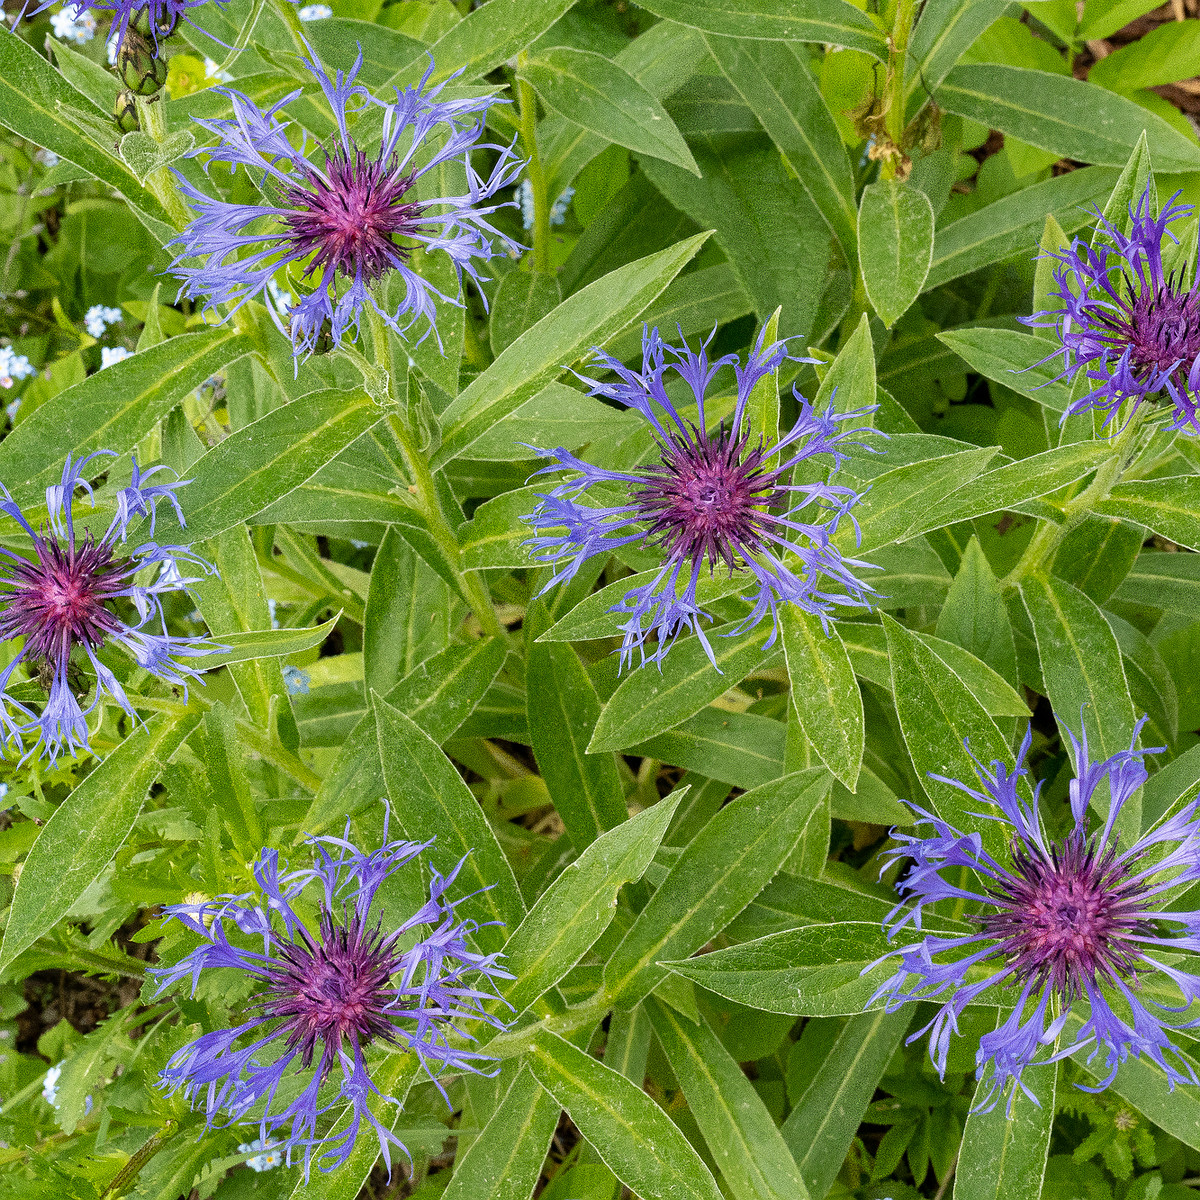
[824,692]
[1054,241]
[522,300]
[1164,54]
[895,246]
[938,714]
[774,79]
[589,317]
[742,749]
[974,616]
[649,701]
[112,409]
[719,872]
[850,380]
[943,31]
[762,407]
[482,41]
[1013,224]
[1011,358]
[832,21]
[268,458]
[636,1139]
[1003,1155]
[898,498]
[430,799]
[505,1160]
[563,709]
[407,614]
[87,829]
[601,96]
[741,1134]
[253,644]
[1081,665]
[38,104]
[1066,116]
[577,908]
[1163,580]
[1169,506]
[1014,484]
[762,219]
[825,1119]
[809,971]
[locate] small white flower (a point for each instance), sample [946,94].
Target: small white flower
[558,211]
[267,1160]
[296,681]
[272,605]
[13,366]
[283,299]
[110,48]
[213,70]
[99,317]
[113,354]
[47,158]
[315,12]
[50,1085]
[78,26]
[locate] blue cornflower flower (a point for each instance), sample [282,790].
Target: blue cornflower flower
[711,497]
[326,989]
[1128,324]
[350,215]
[58,600]
[1064,922]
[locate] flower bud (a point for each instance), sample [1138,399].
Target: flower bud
[140,70]
[125,111]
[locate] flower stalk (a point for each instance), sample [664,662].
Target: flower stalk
[536,175]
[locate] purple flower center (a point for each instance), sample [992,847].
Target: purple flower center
[703,497]
[1160,327]
[333,988]
[351,216]
[1065,918]
[58,601]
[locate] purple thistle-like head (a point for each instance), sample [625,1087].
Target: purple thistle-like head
[1060,924]
[1130,325]
[347,215]
[64,599]
[715,497]
[327,990]
[164,15]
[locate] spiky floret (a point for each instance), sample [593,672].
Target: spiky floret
[324,994]
[1130,325]
[60,600]
[715,497]
[1059,924]
[346,215]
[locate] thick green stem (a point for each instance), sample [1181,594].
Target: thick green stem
[152,118]
[1048,537]
[537,178]
[416,465]
[286,12]
[890,167]
[128,1174]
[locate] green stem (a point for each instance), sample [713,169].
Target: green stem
[419,472]
[1049,535]
[286,12]
[537,177]
[126,1176]
[152,118]
[896,107]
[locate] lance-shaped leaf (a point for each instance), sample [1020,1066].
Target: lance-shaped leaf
[720,871]
[1011,358]
[1169,506]
[578,906]
[588,318]
[505,1160]
[641,1145]
[741,1134]
[266,643]
[649,701]
[824,692]
[112,409]
[268,458]
[895,246]
[430,799]
[601,96]
[87,829]
[829,21]
[1003,1155]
